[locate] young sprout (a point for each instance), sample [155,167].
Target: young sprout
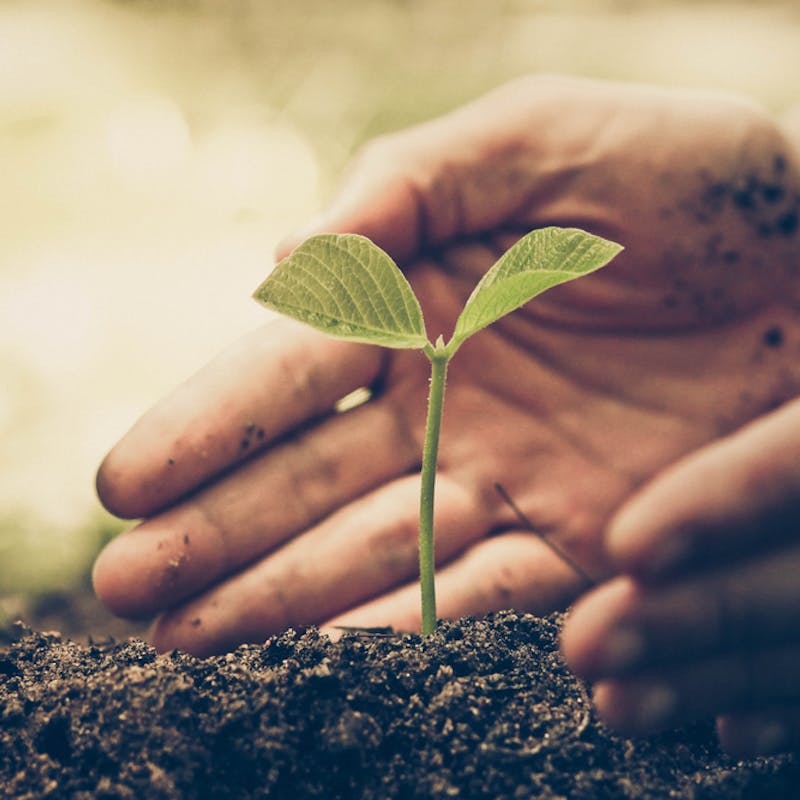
[347,287]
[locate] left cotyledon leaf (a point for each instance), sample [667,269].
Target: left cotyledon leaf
[347,287]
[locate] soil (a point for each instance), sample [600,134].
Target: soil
[482,709]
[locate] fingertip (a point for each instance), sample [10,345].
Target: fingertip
[639,544]
[115,579]
[113,489]
[585,642]
[147,568]
[317,224]
[623,538]
[605,699]
[131,482]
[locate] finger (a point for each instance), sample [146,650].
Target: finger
[762,733]
[719,502]
[358,552]
[624,626]
[269,382]
[663,699]
[254,510]
[510,570]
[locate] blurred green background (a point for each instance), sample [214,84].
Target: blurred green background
[153,153]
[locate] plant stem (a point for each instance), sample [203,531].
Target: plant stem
[439,360]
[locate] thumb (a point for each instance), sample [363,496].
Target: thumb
[464,173]
[377,198]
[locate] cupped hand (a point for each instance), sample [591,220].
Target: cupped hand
[704,620]
[263,508]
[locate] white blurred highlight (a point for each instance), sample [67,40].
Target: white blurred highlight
[136,223]
[148,139]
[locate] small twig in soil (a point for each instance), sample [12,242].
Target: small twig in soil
[385,630]
[528,525]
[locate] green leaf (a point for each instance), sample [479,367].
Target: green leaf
[346,286]
[542,259]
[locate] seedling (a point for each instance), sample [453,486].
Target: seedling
[347,287]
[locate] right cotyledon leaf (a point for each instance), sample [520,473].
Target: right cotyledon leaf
[346,286]
[538,261]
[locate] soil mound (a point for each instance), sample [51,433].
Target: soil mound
[482,709]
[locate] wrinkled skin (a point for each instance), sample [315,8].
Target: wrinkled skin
[614,410]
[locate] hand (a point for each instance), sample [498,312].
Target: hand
[705,619]
[264,509]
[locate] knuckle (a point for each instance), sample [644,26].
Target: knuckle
[309,474]
[303,380]
[395,547]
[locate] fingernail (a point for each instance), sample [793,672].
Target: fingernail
[769,737]
[624,648]
[655,708]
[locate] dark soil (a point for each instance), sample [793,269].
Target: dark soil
[482,709]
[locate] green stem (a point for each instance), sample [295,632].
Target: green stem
[439,359]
